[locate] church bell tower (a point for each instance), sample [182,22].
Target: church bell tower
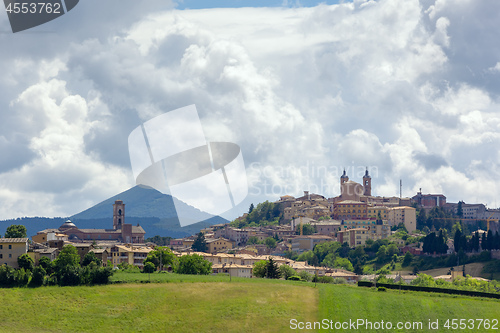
[367,184]
[118,214]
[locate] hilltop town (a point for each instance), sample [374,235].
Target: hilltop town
[360,235]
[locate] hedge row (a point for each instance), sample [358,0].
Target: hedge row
[430,289]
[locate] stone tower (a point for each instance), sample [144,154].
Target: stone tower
[367,184]
[344,178]
[118,214]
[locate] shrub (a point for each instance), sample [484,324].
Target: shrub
[287,272]
[381,289]
[194,264]
[38,277]
[7,277]
[25,261]
[294,278]
[22,277]
[69,276]
[305,276]
[149,267]
[101,275]
[45,263]
[339,281]
[323,279]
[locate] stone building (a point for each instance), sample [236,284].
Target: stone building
[121,231]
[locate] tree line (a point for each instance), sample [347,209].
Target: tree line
[65,270]
[162,258]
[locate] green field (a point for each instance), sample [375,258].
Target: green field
[341,303]
[213,304]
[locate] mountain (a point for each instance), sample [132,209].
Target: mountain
[153,210]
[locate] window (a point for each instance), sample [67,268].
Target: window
[1,256]
[10,255]
[1,247]
[10,247]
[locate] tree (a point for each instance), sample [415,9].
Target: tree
[394,258]
[489,240]
[382,253]
[307,256]
[272,270]
[343,250]
[253,240]
[307,229]
[25,261]
[407,259]
[199,243]
[263,214]
[270,242]
[433,243]
[259,268]
[358,269]
[305,276]
[421,218]
[424,280]
[250,210]
[161,257]
[159,240]
[44,262]
[38,277]
[287,271]
[149,267]
[16,231]
[460,211]
[343,263]
[68,257]
[194,264]
[392,249]
[91,257]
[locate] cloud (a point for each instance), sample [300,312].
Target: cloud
[403,86]
[59,170]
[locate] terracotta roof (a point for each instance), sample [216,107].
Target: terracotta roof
[49,250]
[46,231]
[13,240]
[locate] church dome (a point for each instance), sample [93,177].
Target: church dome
[67,225]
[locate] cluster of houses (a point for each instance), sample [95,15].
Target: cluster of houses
[353,217]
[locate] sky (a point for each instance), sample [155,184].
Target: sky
[409,89]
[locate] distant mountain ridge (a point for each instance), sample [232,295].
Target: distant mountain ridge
[153,210]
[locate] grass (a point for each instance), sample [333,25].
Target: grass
[182,303]
[344,303]
[167,307]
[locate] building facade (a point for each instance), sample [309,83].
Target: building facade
[11,249]
[405,215]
